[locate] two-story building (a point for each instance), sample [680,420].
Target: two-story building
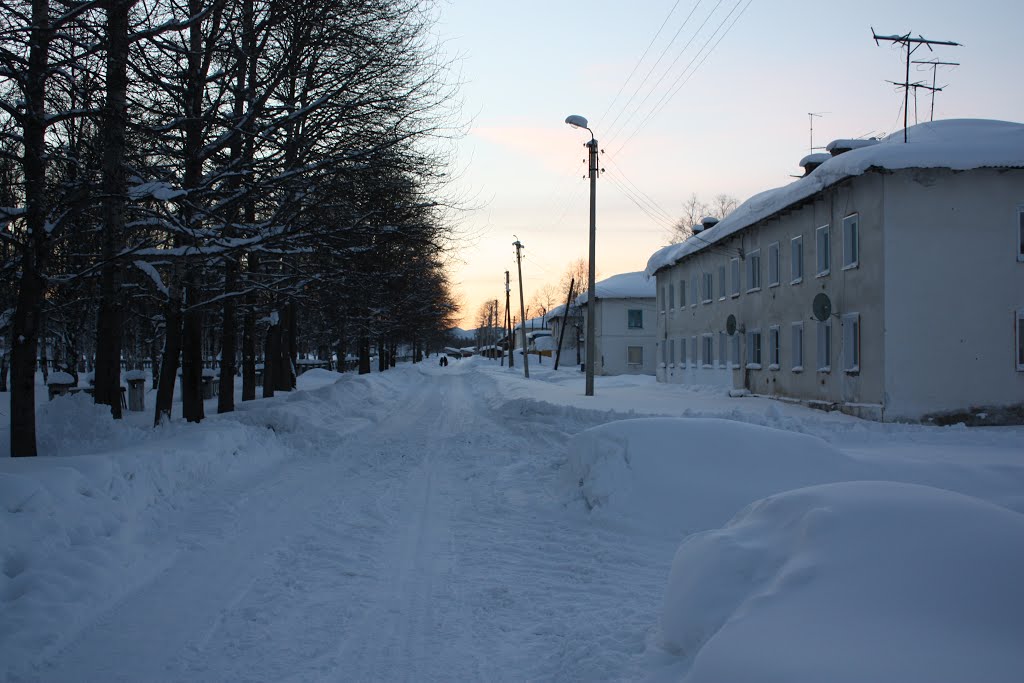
[887,282]
[625,324]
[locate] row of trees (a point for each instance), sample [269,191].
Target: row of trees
[184,180]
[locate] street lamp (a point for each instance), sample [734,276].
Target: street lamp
[577,121]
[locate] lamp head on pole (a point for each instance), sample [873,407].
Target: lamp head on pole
[577,121]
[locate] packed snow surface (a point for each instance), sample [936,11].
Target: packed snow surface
[462,523]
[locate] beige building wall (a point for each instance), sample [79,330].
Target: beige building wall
[955,282]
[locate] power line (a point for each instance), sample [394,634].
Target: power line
[672,93]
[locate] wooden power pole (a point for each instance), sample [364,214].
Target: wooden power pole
[522,309]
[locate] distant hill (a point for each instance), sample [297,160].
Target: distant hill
[462,334]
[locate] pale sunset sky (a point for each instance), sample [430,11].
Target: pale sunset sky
[725,110]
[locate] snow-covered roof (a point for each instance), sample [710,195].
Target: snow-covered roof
[623,286]
[816,158]
[958,144]
[854,143]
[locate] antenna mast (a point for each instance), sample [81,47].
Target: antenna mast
[911,45]
[810,117]
[935,64]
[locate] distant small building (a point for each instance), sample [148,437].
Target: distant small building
[888,282]
[625,324]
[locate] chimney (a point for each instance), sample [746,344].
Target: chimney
[813,161]
[837,147]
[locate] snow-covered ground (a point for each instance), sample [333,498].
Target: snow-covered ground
[462,523]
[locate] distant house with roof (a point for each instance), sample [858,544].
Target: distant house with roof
[887,282]
[625,324]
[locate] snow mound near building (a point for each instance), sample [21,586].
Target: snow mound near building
[856,581]
[692,474]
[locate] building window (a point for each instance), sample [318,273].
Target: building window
[682,352]
[1020,233]
[721,283]
[708,350]
[1020,340]
[671,298]
[851,241]
[773,347]
[682,293]
[754,270]
[734,266]
[796,256]
[635,355]
[734,351]
[773,264]
[664,352]
[723,350]
[851,342]
[823,251]
[708,289]
[693,290]
[797,350]
[661,302]
[635,318]
[825,346]
[754,350]
[693,345]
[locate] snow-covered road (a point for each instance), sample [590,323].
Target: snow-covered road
[430,541]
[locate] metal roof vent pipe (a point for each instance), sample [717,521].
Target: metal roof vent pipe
[708,222]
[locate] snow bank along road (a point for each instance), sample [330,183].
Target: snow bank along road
[418,530]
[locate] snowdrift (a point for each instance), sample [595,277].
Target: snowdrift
[857,581]
[692,474]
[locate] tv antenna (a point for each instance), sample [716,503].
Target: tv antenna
[810,118]
[911,45]
[934,64]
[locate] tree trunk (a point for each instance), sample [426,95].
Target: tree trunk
[107,382]
[192,358]
[25,324]
[228,348]
[271,356]
[169,362]
[249,356]
[364,356]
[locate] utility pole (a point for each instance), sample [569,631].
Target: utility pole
[911,45]
[494,332]
[522,308]
[935,64]
[510,341]
[565,322]
[591,287]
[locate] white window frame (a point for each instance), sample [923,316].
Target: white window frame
[824,346]
[755,349]
[796,257]
[1019,330]
[796,356]
[851,241]
[629,350]
[851,343]
[774,347]
[708,287]
[774,264]
[754,271]
[734,272]
[707,343]
[823,262]
[722,287]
